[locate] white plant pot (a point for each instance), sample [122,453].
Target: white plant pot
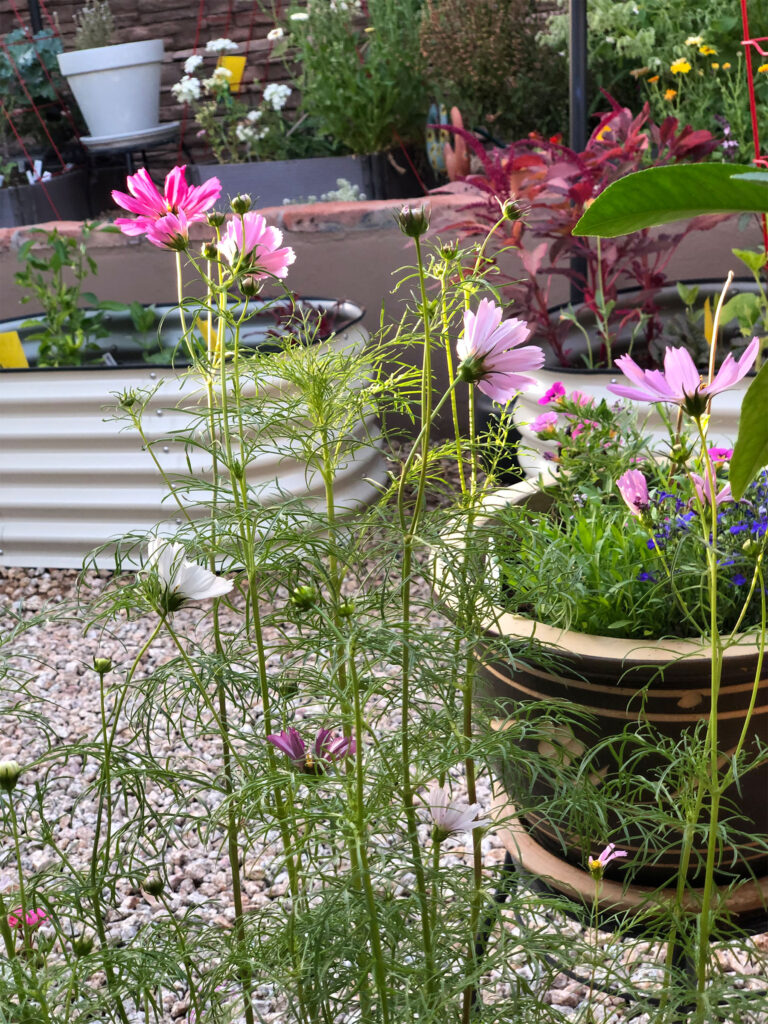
[73,477]
[116,87]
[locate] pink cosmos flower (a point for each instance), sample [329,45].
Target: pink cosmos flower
[597,865]
[257,244]
[449,817]
[178,198]
[487,356]
[169,232]
[326,749]
[704,491]
[553,394]
[680,383]
[545,425]
[33,918]
[633,488]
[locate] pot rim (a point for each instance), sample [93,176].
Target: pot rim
[583,645]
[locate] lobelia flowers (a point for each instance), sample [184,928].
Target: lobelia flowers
[450,817]
[164,217]
[680,383]
[312,760]
[181,581]
[488,353]
[252,246]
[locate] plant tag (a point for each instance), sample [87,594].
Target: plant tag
[11,351]
[236,66]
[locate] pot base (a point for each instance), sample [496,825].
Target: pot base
[746,902]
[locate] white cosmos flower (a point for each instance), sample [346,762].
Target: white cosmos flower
[450,817]
[275,33]
[182,580]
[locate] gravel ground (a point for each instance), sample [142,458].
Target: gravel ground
[64,691]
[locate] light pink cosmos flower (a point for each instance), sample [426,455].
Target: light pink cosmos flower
[633,488]
[486,351]
[680,383]
[33,918]
[597,865]
[450,817]
[704,491]
[545,425]
[326,749]
[178,198]
[257,244]
[556,392]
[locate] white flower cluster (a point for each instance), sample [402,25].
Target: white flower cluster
[187,90]
[220,76]
[276,95]
[249,133]
[346,192]
[254,115]
[345,5]
[300,16]
[221,46]
[191,64]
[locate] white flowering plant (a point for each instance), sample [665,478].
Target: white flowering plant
[239,132]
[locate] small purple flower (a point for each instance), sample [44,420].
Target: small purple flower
[314,760]
[646,577]
[738,579]
[597,865]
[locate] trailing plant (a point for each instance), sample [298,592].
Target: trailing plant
[94,25]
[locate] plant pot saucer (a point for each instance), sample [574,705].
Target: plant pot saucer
[125,140]
[747,901]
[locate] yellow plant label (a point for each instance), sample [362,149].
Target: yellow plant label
[235,65]
[11,351]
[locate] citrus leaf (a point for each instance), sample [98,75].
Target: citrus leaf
[750,453]
[659,195]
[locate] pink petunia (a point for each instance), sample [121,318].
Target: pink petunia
[554,393]
[487,350]
[178,198]
[545,425]
[720,455]
[680,383]
[633,488]
[251,245]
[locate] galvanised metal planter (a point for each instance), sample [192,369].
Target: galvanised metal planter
[74,478]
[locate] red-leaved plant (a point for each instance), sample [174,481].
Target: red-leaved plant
[550,185]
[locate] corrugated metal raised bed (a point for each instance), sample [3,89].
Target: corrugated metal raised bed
[72,478]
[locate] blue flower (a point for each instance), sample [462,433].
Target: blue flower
[738,580]
[643,576]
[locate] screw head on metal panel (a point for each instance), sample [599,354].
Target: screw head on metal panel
[166,448]
[152,375]
[159,412]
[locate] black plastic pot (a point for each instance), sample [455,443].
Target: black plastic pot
[62,198]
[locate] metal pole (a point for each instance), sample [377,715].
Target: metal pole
[34,16]
[577,106]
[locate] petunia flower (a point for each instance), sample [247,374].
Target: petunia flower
[554,393]
[545,425]
[597,865]
[181,581]
[720,455]
[327,749]
[177,197]
[704,491]
[486,349]
[633,488]
[450,817]
[680,383]
[253,246]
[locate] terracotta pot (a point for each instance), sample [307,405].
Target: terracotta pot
[623,683]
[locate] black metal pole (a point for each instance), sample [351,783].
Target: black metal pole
[34,15]
[577,108]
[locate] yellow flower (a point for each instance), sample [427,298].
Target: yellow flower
[655,78]
[694,41]
[715,65]
[680,66]
[707,51]
[670,94]
[605,130]
[763,69]
[727,66]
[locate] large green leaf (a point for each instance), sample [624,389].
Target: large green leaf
[750,453]
[662,194]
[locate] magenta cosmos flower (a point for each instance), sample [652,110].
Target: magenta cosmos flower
[326,749]
[633,488]
[488,353]
[186,204]
[252,246]
[33,918]
[597,865]
[680,383]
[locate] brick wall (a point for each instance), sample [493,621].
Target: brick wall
[244,21]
